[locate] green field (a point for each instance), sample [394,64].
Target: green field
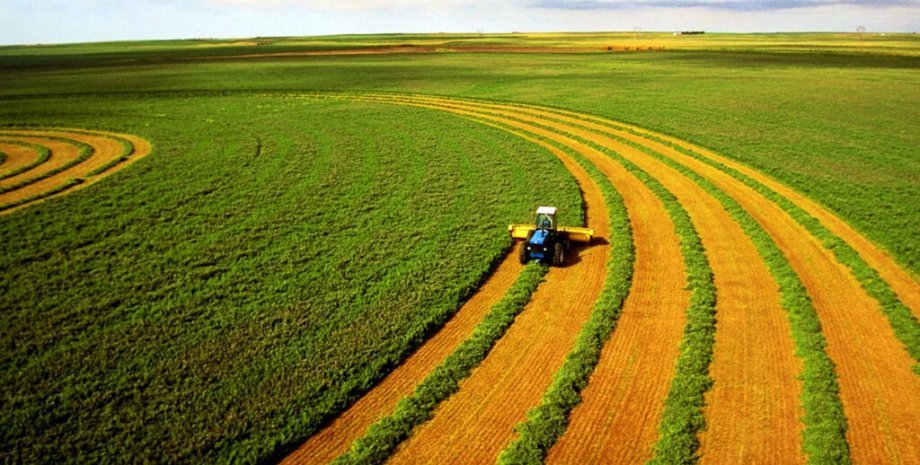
[276,255]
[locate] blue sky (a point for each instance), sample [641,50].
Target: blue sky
[57,21]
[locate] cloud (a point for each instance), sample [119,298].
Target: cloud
[728,5]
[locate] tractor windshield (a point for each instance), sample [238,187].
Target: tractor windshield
[545,221]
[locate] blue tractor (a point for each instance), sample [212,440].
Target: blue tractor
[545,240]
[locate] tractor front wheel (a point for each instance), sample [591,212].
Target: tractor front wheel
[558,254]
[522,254]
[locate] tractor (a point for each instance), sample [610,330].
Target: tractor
[545,240]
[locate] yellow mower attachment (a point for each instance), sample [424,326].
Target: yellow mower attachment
[574,233]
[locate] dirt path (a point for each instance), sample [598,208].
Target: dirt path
[37,185]
[17,157]
[335,438]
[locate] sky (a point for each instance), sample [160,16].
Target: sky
[61,21]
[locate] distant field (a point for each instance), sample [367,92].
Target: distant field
[304,222]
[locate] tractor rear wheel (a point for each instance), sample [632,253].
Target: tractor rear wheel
[558,254]
[522,253]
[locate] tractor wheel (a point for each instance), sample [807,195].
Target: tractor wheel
[523,253]
[558,254]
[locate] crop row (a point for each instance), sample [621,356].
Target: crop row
[43,155]
[825,424]
[547,421]
[387,433]
[86,151]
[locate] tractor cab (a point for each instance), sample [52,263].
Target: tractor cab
[546,218]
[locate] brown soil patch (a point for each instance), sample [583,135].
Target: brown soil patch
[17,157]
[105,149]
[333,440]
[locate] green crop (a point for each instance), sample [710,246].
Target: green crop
[272,259]
[387,433]
[269,262]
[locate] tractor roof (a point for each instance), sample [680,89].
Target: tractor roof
[546,210]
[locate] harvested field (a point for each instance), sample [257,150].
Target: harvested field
[754,368]
[334,439]
[314,268]
[77,159]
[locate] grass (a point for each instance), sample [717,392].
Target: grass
[225,296]
[387,433]
[835,125]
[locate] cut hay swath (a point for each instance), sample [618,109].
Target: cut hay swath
[769,269]
[46,162]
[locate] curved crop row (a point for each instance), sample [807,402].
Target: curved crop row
[43,155]
[903,321]
[85,151]
[831,421]
[387,433]
[546,422]
[820,388]
[824,421]
[98,153]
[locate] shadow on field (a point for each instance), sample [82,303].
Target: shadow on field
[573,257]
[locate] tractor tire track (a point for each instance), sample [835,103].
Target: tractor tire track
[336,437]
